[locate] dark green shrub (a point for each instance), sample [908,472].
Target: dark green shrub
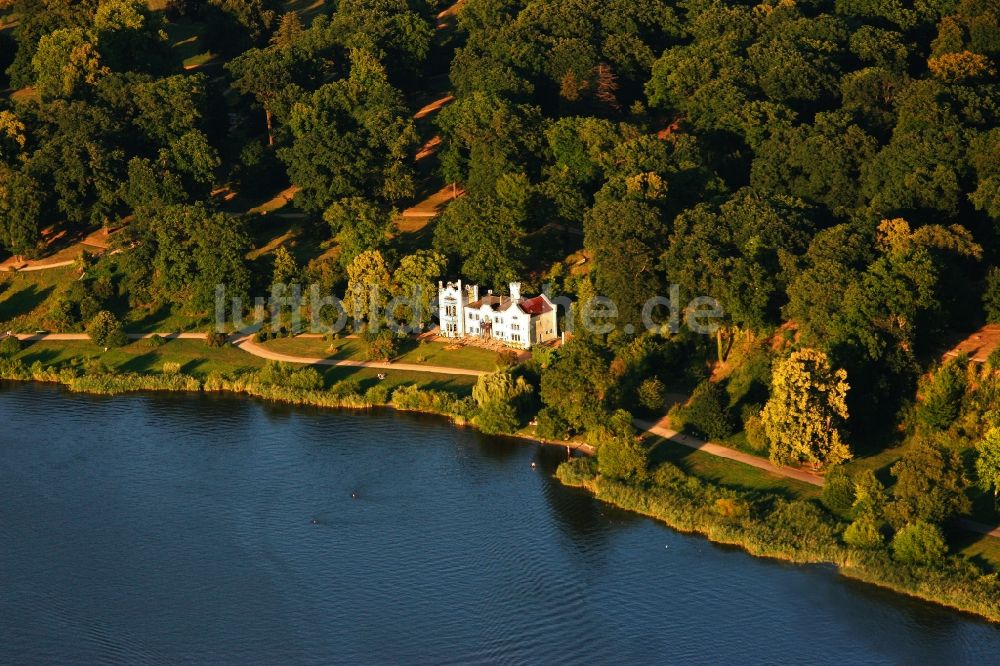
[667,475]
[95,367]
[346,387]
[106,331]
[931,484]
[215,339]
[652,394]
[919,543]
[506,358]
[89,307]
[941,396]
[288,376]
[991,296]
[378,394]
[497,418]
[155,340]
[9,346]
[993,360]
[707,414]
[838,492]
[550,425]
[623,458]
[577,471]
[103,288]
[864,533]
[381,345]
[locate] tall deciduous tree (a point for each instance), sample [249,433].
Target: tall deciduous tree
[487,233]
[20,211]
[806,413]
[352,137]
[358,225]
[368,286]
[65,62]
[499,396]
[105,330]
[930,485]
[576,385]
[988,462]
[417,276]
[624,239]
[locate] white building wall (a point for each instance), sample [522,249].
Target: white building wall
[512,326]
[452,300]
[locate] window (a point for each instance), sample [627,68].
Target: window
[515,337]
[450,310]
[515,327]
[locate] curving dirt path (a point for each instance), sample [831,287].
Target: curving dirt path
[730,454]
[762,463]
[249,346]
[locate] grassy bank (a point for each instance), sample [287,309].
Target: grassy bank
[192,366]
[766,524]
[428,352]
[197,359]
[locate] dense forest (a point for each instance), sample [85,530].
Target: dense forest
[828,170]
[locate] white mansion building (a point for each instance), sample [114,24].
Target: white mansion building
[512,320]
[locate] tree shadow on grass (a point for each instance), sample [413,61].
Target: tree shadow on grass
[46,356]
[23,302]
[682,456]
[368,378]
[141,363]
[960,539]
[193,366]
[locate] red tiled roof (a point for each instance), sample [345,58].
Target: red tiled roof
[535,306]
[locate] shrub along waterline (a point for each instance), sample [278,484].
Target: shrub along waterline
[274,382]
[798,531]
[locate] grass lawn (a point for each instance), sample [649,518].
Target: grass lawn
[424,353]
[726,472]
[186,40]
[163,320]
[195,357]
[25,298]
[983,550]
[368,377]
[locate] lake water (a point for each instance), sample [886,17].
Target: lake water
[172,528]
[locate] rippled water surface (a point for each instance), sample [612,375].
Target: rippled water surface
[198,528]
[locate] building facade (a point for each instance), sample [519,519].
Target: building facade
[512,320]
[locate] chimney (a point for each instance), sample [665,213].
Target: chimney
[475,292]
[515,291]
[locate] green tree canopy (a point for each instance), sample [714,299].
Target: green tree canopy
[805,416]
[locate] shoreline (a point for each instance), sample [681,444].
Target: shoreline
[580,448]
[855,565]
[841,558]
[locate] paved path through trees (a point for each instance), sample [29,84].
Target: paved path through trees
[662,430]
[249,346]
